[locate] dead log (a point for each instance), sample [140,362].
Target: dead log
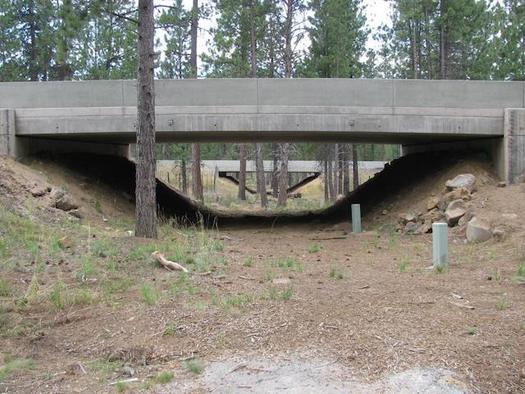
[171,265]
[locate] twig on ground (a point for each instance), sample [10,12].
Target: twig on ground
[124,381]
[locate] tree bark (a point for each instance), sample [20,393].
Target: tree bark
[196,176]
[326,195]
[259,175]
[184,176]
[443,42]
[33,66]
[346,170]
[337,170]
[145,189]
[242,172]
[275,170]
[355,166]
[283,175]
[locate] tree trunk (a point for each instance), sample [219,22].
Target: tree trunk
[33,66]
[275,169]
[443,42]
[337,170]
[283,176]
[184,176]
[242,172]
[346,170]
[330,178]
[259,175]
[145,190]
[196,176]
[355,166]
[325,166]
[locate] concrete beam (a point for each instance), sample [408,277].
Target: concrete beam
[514,145]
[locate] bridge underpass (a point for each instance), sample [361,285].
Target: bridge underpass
[100,116]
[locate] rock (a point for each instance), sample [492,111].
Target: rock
[499,234]
[455,210]
[127,371]
[432,203]
[66,203]
[425,227]
[435,215]
[502,184]
[466,181]
[509,216]
[384,212]
[76,213]
[410,228]
[465,218]
[57,194]
[405,218]
[281,281]
[39,191]
[478,230]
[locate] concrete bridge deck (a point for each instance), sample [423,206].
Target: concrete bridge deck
[415,113]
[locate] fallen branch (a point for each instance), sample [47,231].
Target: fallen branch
[124,381]
[171,265]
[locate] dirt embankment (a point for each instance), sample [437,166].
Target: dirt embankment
[405,182]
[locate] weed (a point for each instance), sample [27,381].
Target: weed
[247,262]
[289,264]
[165,377]
[102,248]
[120,387]
[86,269]
[117,285]
[56,296]
[403,265]
[440,269]
[520,272]
[335,274]
[471,331]
[269,275]
[98,206]
[496,274]
[183,284]
[283,295]
[141,252]
[5,288]
[502,303]
[83,297]
[149,294]
[215,245]
[194,366]
[13,365]
[235,301]
[104,368]
[170,330]
[315,248]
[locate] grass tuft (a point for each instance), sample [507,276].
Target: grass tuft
[150,295]
[13,365]
[164,377]
[194,366]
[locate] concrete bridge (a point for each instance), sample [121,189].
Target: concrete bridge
[100,116]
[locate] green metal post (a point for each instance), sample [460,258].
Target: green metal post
[439,245]
[356,218]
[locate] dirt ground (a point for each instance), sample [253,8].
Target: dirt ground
[85,309]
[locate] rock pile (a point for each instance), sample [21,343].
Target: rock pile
[452,207]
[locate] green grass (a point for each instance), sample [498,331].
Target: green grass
[5,288]
[247,261]
[150,295]
[289,264]
[502,303]
[194,366]
[164,377]
[520,271]
[13,365]
[86,270]
[102,248]
[170,330]
[280,295]
[120,387]
[183,284]
[335,274]
[234,301]
[103,368]
[118,285]
[440,269]
[314,248]
[402,267]
[56,295]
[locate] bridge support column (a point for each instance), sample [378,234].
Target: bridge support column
[514,149]
[7,132]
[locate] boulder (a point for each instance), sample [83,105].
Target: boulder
[410,228]
[499,233]
[39,191]
[432,203]
[435,215]
[455,210]
[478,230]
[66,203]
[465,218]
[466,181]
[425,227]
[405,218]
[57,194]
[77,213]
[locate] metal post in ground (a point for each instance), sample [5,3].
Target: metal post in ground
[439,245]
[356,218]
